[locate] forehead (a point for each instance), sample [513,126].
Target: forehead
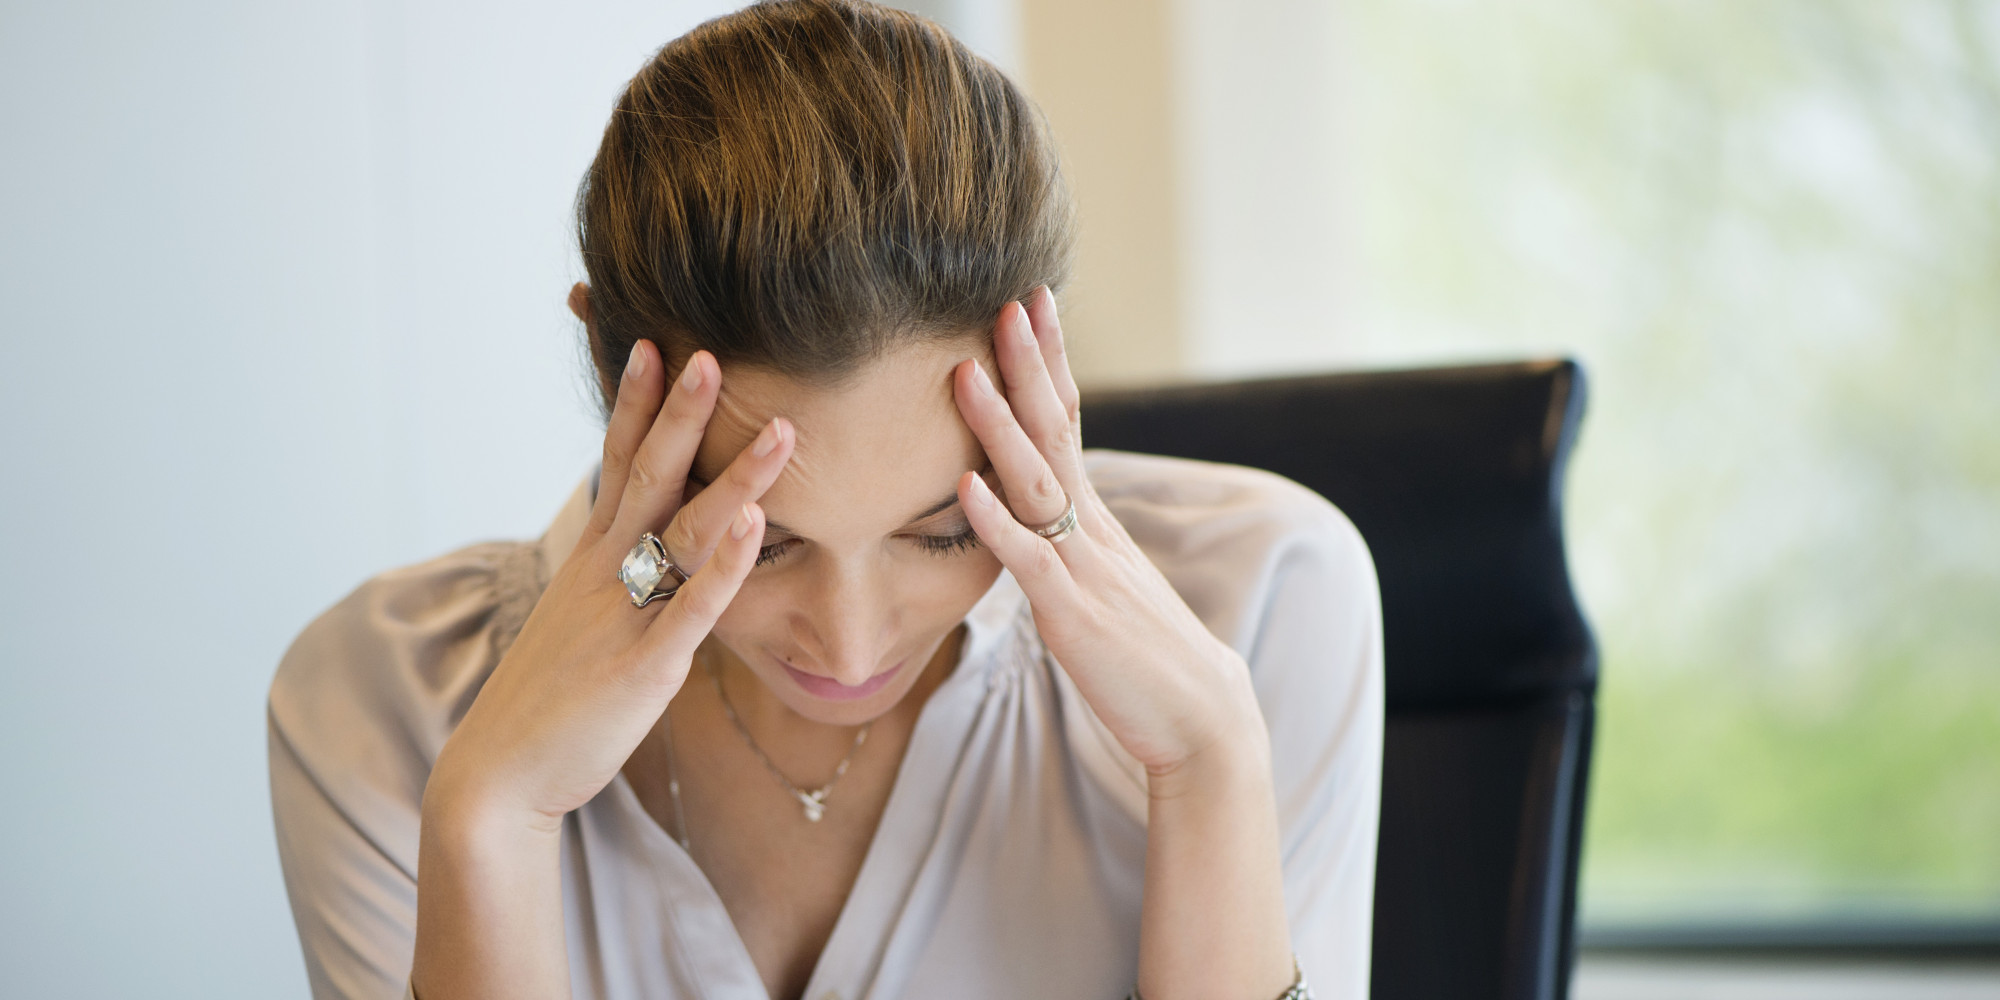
[881,445]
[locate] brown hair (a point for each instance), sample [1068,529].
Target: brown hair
[803,184]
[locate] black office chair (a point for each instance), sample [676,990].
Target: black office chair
[1454,476]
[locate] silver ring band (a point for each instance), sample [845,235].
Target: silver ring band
[1060,528]
[645,568]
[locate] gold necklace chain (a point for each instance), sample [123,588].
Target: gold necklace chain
[814,801]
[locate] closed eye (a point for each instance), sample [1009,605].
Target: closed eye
[770,553]
[942,545]
[945,545]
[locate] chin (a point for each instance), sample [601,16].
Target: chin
[776,675]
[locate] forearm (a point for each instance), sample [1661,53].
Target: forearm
[489,906]
[1213,922]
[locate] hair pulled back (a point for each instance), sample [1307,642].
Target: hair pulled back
[804,184]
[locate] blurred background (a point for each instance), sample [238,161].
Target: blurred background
[281,306]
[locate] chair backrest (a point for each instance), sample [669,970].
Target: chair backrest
[1454,477]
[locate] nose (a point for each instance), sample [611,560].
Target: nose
[848,624]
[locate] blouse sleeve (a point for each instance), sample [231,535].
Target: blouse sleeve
[1315,657]
[358,710]
[1280,574]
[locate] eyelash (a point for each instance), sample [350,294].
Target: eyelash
[942,545]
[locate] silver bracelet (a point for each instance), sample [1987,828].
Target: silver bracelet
[1297,991]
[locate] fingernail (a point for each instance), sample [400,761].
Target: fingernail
[985,384]
[766,440]
[635,362]
[1023,330]
[691,379]
[981,493]
[1049,297]
[741,526]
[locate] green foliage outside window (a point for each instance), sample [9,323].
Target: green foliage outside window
[1771,231]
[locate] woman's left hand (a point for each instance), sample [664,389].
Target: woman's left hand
[1165,686]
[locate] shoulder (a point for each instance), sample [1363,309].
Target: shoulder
[1278,572]
[369,690]
[1235,540]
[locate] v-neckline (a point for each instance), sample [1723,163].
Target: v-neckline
[900,845]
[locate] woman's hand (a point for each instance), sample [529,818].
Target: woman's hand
[586,679]
[1165,686]
[1177,698]
[590,674]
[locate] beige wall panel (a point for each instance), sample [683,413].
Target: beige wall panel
[1102,70]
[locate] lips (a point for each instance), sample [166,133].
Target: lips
[832,690]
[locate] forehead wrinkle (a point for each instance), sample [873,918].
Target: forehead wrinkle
[811,464]
[732,425]
[900,405]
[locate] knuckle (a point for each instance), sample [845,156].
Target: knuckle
[741,475]
[642,479]
[696,604]
[648,481]
[680,536]
[1059,441]
[617,459]
[1029,355]
[1045,489]
[1045,559]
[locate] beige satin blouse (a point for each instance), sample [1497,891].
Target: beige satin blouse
[1009,860]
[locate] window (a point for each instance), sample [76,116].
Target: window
[1771,231]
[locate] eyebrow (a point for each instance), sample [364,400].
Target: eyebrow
[943,504]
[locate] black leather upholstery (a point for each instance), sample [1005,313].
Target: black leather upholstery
[1454,477]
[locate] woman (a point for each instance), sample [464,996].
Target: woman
[944,706]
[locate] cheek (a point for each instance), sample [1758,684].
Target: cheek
[759,610]
[947,588]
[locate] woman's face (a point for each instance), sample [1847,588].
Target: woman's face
[868,563]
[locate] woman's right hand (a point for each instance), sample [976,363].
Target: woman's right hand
[590,674]
[584,681]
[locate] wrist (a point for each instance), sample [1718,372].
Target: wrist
[471,815]
[1215,922]
[489,899]
[1225,733]
[1232,765]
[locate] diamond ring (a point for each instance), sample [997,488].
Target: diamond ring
[645,567]
[1059,529]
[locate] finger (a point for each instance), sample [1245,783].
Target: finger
[694,608]
[658,475]
[1035,563]
[699,525]
[1055,355]
[1035,495]
[1033,398]
[640,390]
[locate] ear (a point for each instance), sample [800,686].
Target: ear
[579,302]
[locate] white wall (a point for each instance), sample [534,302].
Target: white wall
[1258,128]
[280,306]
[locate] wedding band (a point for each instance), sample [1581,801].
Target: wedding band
[1060,528]
[645,567]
